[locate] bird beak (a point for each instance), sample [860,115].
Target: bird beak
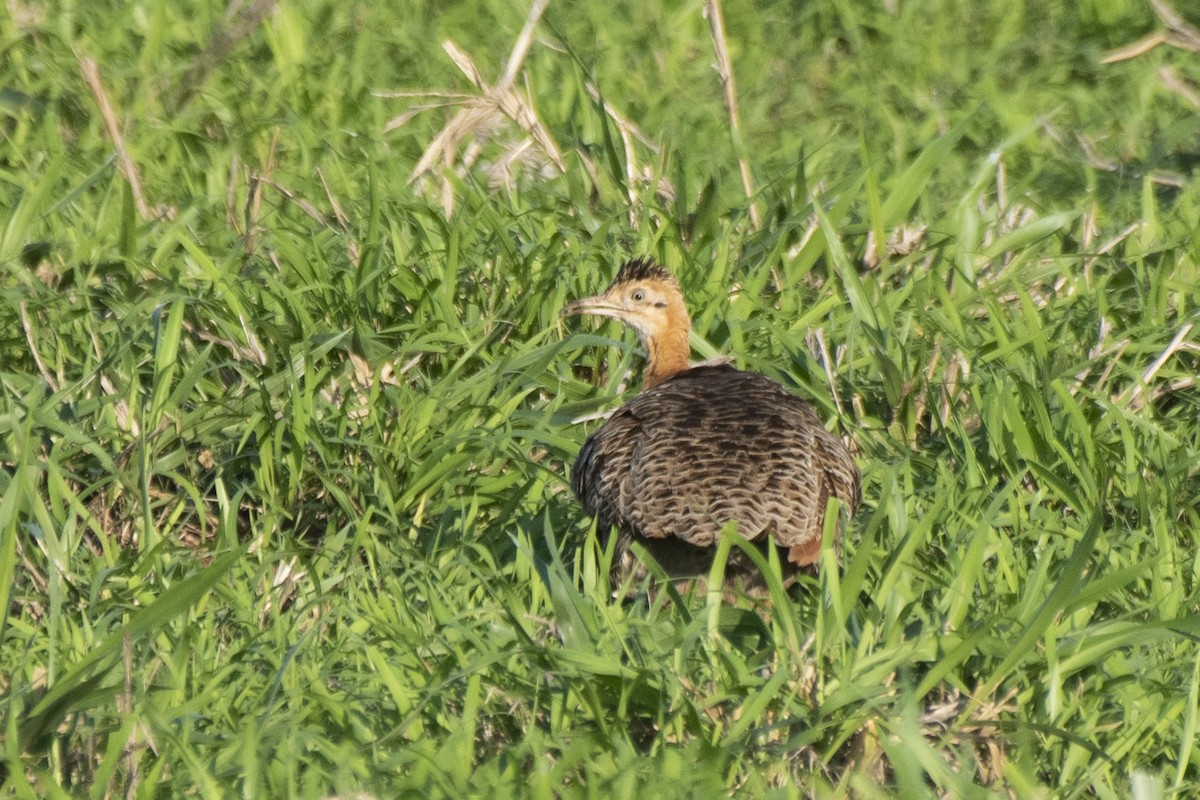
[598,305]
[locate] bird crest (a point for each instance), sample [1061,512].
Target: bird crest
[640,269]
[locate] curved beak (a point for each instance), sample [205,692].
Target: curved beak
[597,305]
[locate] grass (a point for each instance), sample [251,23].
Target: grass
[284,436]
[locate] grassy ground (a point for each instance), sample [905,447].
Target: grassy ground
[284,435]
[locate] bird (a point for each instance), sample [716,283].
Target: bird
[703,446]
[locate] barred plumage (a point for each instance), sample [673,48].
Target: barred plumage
[704,446]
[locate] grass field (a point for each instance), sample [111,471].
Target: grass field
[287,408]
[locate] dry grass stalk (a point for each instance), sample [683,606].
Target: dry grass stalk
[1134,395]
[231,184]
[27,326]
[126,421]
[1181,34]
[902,241]
[630,133]
[725,69]
[285,585]
[254,198]
[820,350]
[252,351]
[625,130]
[622,122]
[1178,34]
[335,206]
[957,368]
[252,211]
[504,100]
[129,170]
[483,114]
[310,210]
[1172,82]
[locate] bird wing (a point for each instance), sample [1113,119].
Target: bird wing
[712,446]
[700,463]
[600,477]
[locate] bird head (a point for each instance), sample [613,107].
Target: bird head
[647,298]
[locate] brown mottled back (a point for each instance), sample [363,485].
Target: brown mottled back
[713,445]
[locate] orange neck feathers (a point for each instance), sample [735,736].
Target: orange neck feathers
[647,298]
[667,349]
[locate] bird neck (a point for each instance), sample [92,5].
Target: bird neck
[667,350]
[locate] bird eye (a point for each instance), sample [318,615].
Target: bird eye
[639,296]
